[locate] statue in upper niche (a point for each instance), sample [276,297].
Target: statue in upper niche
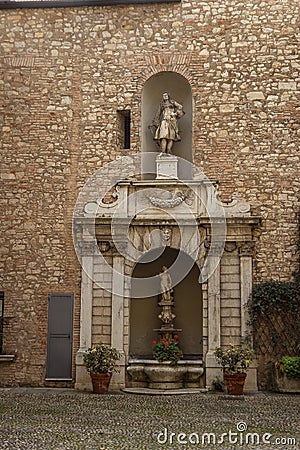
[165,123]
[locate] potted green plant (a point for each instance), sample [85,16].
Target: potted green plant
[235,362]
[100,361]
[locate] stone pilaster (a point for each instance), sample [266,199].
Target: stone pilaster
[86,309]
[246,252]
[214,316]
[117,319]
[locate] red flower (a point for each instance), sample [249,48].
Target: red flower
[165,344]
[153,342]
[169,341]
[176,336]
[163,339]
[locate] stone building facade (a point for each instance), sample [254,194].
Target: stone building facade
[67,77]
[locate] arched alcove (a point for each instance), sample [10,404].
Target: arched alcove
[188,308]
[179,89]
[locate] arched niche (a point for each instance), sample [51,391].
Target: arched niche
[143,315]
[180,90]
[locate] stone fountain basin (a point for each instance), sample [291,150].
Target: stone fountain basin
[155,375]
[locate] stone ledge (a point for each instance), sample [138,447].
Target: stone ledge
[181,362]
[148,391]
[7,358]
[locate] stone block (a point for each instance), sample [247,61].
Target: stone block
[227,108]
[230,278]
[229,322]
[287,85]
[255,95]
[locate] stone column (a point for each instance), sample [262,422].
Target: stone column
[117,319]
[214,316]
[246,253]
[86,309]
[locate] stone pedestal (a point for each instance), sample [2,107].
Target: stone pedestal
[285,384]
[166,166]
[251,380]
[213,371]
[83,379]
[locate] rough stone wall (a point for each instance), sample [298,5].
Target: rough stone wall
[64,75]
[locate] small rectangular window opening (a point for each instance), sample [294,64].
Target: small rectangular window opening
[124,128]
[1,320]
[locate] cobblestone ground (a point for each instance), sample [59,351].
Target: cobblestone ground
[45,419]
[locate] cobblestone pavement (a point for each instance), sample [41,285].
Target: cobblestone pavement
[52,419]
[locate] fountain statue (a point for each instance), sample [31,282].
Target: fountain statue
[166,315]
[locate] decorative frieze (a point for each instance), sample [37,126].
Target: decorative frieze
[166,236]
[104,246]
[230,247]
[87,248]
[215,249]
[113,246]
[175,199]
[246,248]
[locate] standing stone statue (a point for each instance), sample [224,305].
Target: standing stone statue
[165,123]
[165,285]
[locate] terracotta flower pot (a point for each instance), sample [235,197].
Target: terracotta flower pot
[100,382]
[235,383]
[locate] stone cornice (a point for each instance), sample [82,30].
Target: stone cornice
[253,221]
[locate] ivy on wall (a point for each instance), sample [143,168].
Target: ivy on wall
[274,310]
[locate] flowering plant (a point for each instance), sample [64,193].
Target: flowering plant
[101,358]
[167,350]
[235,359]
